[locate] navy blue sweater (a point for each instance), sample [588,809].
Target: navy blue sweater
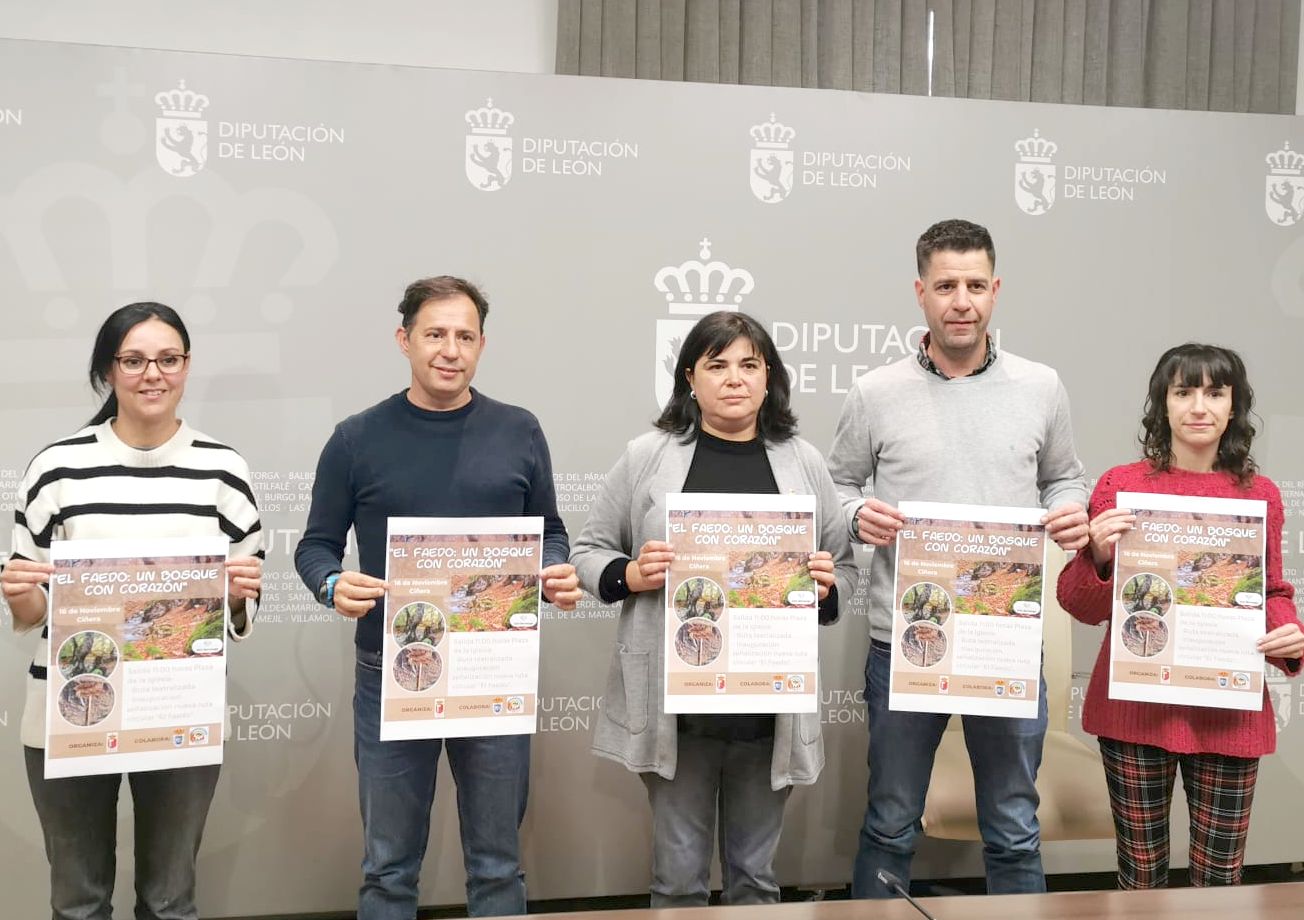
[486,459]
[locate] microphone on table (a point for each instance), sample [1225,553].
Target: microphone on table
[891,881]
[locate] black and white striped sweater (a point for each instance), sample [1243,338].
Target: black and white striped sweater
[93,486]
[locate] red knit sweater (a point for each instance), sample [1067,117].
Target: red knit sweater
[1180,729]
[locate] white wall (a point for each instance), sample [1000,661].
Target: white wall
[510,35]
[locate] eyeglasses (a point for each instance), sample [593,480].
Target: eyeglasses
[135,365]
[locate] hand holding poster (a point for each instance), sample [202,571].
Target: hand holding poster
[1189,602]
[741,605]
[137,669]
[966,623]
[461,643]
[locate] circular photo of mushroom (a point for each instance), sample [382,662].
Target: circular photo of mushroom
[86,700]
[698,643]
[417,667]
[1144,635]
[923,644]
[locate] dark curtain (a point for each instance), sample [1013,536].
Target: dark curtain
[1223,55]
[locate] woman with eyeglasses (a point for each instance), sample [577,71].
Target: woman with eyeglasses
[136,470]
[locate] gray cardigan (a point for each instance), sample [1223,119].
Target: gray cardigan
[633,728]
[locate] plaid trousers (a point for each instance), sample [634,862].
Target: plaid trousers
[1219,793]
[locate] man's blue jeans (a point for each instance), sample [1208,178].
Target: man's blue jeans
[396,790]
[79,820]
[1005,754]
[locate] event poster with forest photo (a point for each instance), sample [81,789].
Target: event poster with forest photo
[137,666]
[1189,602]
[741,615]
[966,622]
[461,642]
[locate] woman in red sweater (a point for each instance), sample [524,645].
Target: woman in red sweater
[1196,436]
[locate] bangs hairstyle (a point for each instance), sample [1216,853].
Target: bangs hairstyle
[109,339]
[1190,365]
[713,334]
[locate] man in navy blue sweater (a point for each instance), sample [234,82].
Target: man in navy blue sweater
[438,449]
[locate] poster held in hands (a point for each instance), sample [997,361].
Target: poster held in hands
[1189,602]
[742,613]
[136,675]
[461,640]
[967,610]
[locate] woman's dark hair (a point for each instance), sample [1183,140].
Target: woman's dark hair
[713,334]
[1190,365]
[109,339]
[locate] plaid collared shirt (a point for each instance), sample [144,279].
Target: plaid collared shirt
[929,365]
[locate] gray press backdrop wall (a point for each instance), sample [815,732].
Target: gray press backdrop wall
[324,188]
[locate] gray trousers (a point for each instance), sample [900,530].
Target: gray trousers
[724,784]
[79,819]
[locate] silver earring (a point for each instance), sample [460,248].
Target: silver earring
[692,394]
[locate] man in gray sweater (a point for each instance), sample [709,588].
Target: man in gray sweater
[961,422]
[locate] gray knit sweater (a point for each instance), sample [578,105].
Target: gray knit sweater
[1002,437]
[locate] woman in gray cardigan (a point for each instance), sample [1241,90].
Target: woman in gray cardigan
[726,428]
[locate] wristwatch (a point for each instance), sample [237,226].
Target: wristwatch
[326,592]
